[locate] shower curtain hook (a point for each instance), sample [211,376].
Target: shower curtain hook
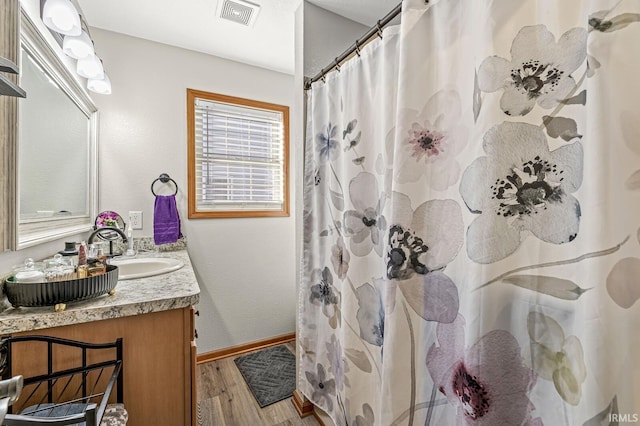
[379,28]
[357,48]
[337,64]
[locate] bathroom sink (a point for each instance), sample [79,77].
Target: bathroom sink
[145,267]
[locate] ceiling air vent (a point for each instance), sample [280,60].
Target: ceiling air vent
[239,11]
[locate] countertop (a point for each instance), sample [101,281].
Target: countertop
[173,290]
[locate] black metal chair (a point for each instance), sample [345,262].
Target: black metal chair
[69,383]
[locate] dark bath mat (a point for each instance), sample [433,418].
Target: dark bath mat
[270,374]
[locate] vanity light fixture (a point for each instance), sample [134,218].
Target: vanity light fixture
[78,47]
[61,16]
[90,67]
[100,86]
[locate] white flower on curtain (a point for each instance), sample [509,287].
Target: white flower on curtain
[557,358]
[365,225]
[420,244]
[539,70]
[521,186]
[371,312]
[431,140]
[488,382]
[337,365]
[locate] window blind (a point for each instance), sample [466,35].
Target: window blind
[239,156]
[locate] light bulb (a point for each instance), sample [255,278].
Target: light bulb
[78,47]
[90,67]
[101,86]
[61,16]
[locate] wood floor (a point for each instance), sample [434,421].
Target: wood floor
[225,399]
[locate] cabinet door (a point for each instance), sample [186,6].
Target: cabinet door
[156,365]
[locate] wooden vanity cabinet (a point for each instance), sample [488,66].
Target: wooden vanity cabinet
[158,362]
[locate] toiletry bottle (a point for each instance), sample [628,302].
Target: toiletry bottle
[82,261]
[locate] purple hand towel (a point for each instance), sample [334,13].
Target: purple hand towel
[166,221]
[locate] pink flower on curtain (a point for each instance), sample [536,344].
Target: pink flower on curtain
[539,70]
[488,383]
[430,140]
[520,187]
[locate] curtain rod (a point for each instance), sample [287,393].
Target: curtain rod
[357,45]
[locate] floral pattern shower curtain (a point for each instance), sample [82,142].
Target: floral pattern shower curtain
[472,214]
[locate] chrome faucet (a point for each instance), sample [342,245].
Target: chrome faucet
[110,238]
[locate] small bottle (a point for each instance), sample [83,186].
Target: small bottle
[82,271]
[82,254]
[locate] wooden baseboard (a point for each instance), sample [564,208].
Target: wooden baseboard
[247,347]
[303,406]
[318,418]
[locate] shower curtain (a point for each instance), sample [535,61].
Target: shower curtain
[472,199]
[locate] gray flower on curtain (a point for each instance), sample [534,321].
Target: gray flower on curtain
[420,244]
[340,258]
[337,365]
[520,187]
[327,146]
[539,70]
[431,140]
[365,225]
[367,418]
[371,313]
[324,294]
[488,383]
[324,389]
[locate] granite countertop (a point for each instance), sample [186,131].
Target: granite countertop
[173,290]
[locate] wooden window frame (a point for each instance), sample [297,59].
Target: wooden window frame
[193,212]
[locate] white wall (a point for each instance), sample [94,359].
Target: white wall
[245,267]
[326,35]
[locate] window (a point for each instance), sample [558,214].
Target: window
[238,157]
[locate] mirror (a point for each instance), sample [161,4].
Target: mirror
[56,164]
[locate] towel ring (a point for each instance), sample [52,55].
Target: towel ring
[164,178]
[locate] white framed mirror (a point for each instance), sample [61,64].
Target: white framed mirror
[57,146]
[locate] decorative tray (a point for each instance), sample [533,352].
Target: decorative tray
[59,292]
